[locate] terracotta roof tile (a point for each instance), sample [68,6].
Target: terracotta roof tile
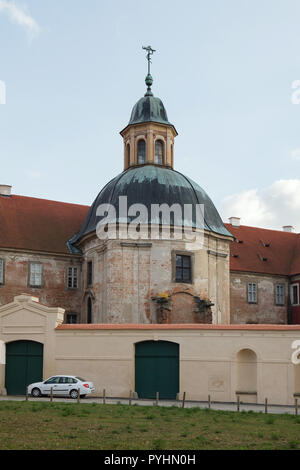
[177,326]
[38,224]
[264,251]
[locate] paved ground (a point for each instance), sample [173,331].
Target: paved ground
[272,409]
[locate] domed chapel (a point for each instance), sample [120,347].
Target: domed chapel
[149,277]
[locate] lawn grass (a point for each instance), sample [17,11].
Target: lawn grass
[69,426]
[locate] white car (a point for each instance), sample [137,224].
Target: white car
[65,385]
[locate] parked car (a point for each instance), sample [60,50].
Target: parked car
[64,385]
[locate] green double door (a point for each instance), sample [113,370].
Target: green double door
[24,365]
[157,369]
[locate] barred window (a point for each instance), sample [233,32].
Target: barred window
[1,271]
[279,294]
[183,268]
[35,275]
[72,277]
[252,293]
[71,318]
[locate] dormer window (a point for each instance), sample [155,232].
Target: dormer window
[159,152]
[141,152]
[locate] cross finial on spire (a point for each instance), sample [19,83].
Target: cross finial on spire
[149,79]
[150,53]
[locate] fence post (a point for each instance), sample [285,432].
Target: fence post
[183,400]
[238,403]
[209,402]
[296,406]
[157,398]
[78,397]
[104,397]
[51,394]
[26,394]
[130,397]
[266,405]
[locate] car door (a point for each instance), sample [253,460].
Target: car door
[63,386]
[48,384]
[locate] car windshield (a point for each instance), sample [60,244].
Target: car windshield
[81,379]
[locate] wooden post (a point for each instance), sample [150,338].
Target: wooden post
[26,394]
[209,402]
[130,397]
[296,406]
[183,400]
[104,397]
[51,394]
[157,398]
[238,403]
[78,397]
[266,405]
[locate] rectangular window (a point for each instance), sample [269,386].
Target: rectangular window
[279,294]
[183,268]
[72,277]
[71,318]
[1,272]
[90,273]
[252,293]
[295,294]
[35,275]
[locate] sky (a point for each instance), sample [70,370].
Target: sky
[228,73]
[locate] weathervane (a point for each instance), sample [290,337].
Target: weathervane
[149,79]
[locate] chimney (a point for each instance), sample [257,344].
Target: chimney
[5,190]
[288,228]
[235,221]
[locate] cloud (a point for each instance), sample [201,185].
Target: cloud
[271,207]
[19,16]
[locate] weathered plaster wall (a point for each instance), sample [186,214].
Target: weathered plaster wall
[54,291]
[127,274]
[265,310]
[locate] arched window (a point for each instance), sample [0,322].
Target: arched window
[141,152]
[128,155]
[89,310]
[159,152]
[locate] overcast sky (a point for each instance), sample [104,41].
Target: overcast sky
[224,69]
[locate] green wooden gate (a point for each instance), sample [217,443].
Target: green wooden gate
[24,365]
[157,369]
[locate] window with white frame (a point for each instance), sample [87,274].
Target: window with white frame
[1,271]
[72,277]
[279,294]
[252,293]
[35,274]
[295,294]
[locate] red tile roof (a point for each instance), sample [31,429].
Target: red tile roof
[265,251]
[28,223]
[177,326]
[41,225]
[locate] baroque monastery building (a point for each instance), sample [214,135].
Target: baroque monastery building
[207,306]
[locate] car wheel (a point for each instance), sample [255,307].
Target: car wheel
[36,392]
[74,394]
